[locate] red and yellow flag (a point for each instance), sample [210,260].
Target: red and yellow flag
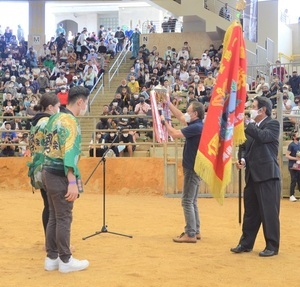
[224,124]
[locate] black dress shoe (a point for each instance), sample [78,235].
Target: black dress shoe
[239,249]
[267,253]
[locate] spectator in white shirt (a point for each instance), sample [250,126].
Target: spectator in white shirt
[183,53]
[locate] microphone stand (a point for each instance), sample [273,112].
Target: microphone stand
[103,160]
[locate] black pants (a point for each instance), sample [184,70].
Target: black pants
[261,205]
[45,212]
[295,179]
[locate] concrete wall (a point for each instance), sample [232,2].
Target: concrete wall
[199,41]
[123,176]
[268,23]
[296,38]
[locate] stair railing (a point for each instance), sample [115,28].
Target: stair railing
[99,89]
[114,69]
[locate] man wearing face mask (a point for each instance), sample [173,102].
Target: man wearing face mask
[133,85]
[293,155]
[205,63]
[295,111]
[210,81]
[43,82]
[258,155]
[169,78]
[168,53]
[132,73]
[63,96]
[280,71]
[193,118]
[62,180]
[142,108]
[126,137]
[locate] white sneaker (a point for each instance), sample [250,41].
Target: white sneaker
[51,264]
[72,265]
[293,198]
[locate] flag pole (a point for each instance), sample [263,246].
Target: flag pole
[240,196]
[240,6]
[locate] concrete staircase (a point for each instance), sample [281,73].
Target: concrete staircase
[88,123]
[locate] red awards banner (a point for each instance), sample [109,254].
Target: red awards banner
[224,123]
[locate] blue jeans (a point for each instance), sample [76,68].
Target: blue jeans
[189,202]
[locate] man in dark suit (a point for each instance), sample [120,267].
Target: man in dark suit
[262,176]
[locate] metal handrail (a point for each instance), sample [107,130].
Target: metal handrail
[114,69]
[100,88]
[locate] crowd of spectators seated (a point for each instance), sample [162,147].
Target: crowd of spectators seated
[63,62]
[284,85]
[185,77]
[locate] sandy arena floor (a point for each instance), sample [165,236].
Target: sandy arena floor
[150,258]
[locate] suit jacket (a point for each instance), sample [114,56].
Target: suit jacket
[260,151]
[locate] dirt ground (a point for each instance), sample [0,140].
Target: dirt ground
[150,258]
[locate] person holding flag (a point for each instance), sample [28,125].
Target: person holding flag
[193,121]
[258,155]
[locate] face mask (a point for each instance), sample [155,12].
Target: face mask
[6,76]
[82,112]
[187,117]
[111,135]
[42,76]
[115,104]
[177,67]
[58,110]
[193,74]
[142,100]
[254,114]
[63,91]
[125,135]
[132,71]
[47,91]
[132,81]
[136,96]
[196,81]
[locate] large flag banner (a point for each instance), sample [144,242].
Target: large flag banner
[224,123]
